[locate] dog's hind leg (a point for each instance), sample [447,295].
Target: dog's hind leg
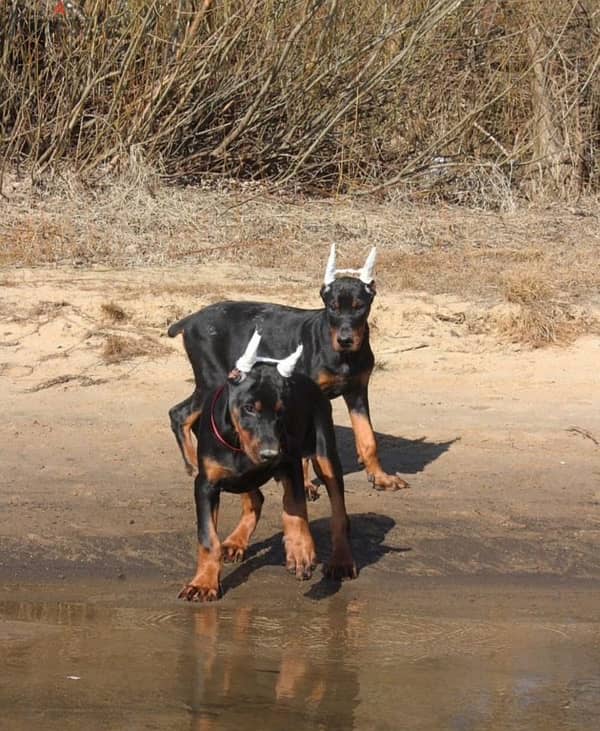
[311,490]
[183,416]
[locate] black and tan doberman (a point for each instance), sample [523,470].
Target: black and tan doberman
[258,425]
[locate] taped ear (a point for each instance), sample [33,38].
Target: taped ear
[330,268]
[287,365]
[366,273]
[245,362]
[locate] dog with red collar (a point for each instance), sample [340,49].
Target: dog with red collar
[258,425]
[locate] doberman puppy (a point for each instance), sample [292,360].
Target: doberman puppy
[336,355]
[258,425]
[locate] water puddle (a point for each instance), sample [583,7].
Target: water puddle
[133,658]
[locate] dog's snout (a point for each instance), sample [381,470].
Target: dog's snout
[345,341]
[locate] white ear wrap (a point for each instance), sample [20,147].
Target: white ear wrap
[287,365]
[245,362]
[366,273]
[330,268]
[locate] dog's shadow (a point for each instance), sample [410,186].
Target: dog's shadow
[368,534]
[396,454]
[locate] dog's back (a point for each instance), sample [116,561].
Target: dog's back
[214,336]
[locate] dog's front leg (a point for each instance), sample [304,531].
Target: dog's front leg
[300,554]
[206,585]
[366,444]
[341,564]
[236,544]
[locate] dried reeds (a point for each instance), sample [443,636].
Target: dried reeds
[445,99]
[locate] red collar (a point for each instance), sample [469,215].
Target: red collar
[213,423]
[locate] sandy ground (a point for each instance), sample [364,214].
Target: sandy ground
[499,442]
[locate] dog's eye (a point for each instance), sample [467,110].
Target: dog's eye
[250,408]
[334,307]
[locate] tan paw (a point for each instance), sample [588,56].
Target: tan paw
[300,559]
[383,481]
[233,551]
[194,591]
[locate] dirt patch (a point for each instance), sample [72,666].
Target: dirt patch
[498,441]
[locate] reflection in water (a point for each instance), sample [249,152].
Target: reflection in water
[350,661]
[272,670]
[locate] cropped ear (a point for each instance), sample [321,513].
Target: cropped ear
[235,377]
[366,273]
[247,360]
[371,289]
[330,267]
[286,366]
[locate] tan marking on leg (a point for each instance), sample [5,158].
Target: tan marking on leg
[206,584]
[236,544]
[189,449]
[300,551]
[312,491]
[341,564]
[327,380]
[366,446]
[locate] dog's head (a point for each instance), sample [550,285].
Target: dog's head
[348,302]
[259,395]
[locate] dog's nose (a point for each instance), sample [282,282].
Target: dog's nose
[267,454]
[345,342]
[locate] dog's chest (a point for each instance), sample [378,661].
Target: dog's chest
[336,382]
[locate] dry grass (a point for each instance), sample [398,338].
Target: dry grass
[113,312]
[529,257]
[119,348]
[539,316]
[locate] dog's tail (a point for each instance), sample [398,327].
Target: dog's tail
[177,327]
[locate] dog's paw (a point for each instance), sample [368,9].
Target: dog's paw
[233,552]
[194,591]
[300,559]
[384,482]
[312,491]
[340,566]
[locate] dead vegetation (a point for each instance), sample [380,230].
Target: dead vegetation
[113,312]
[478,103]
[120,348]
[541,261]
[540,316]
